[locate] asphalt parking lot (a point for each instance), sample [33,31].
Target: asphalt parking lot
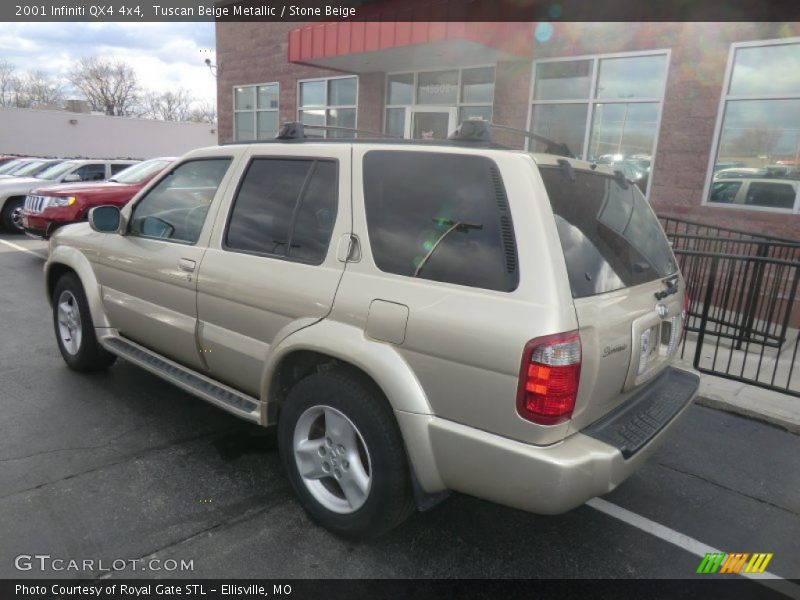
[120,465]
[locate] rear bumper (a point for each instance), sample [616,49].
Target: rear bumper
[541,479]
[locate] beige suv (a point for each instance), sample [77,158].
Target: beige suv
[414,317]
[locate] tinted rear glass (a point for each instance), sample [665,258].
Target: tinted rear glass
[610,237]
[440,216]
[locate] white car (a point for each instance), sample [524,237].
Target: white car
[14,189]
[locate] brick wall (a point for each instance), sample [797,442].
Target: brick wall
[257,52]
[249,53]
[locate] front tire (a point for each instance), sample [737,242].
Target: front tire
[74,329]
[344,455]
[12,215]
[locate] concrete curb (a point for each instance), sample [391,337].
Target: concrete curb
[750,413]
[751,401]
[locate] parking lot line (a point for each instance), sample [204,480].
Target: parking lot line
[20,248]
[768,579]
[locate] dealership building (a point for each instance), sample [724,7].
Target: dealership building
[705,117]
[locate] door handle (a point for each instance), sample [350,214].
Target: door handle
[185,264]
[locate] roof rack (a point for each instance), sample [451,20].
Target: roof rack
[295,130]
[478,130]
[474,130]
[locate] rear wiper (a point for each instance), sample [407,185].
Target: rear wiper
[454,226]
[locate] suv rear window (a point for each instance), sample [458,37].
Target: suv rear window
[439,216]
[610,237]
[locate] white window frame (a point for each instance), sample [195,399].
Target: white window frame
[458,105]
[591,100]
[255,110]
[724,97]
[326,107]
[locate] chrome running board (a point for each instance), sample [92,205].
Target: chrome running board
[225,397]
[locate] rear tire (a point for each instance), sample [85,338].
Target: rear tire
[340,432]
[74,329]
[12,215]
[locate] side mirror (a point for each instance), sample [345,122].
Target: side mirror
[105,219]
[71,178]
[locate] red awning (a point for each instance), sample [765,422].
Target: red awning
[380,45]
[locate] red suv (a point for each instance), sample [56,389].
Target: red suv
[47,209]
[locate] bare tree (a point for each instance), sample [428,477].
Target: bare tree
[172,105]
[36,89]
[9,82]
[753,141]
[203,112]
[110,86]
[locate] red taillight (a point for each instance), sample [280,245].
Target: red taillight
[548,378]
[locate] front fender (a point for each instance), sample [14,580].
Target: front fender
[77,261]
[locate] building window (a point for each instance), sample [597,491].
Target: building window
[331,102]
[255,111]
[757,145]
[471,91]
[605,108]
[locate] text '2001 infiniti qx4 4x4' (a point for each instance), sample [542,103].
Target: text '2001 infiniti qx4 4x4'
[413,317]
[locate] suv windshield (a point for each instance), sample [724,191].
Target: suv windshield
[139,172]
[13,165]
[610,237]
[57,170]
[30,169]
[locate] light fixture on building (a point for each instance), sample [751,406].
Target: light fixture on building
[73,121]
[212,67]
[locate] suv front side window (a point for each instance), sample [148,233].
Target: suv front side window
[91,172]
[175,209]
[439,216]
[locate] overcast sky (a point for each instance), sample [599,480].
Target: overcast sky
[164,55]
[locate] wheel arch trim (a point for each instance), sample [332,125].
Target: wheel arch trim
[65,257]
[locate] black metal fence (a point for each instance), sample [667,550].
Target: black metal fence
[744,311]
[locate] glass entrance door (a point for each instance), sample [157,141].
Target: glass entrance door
[430,122]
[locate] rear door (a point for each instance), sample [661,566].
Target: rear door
[272,264]
[626,288]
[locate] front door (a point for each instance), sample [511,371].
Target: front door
[430,122]
[149,275]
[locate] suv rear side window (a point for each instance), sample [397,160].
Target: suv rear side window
[286,208]
[610,237]
[772,195]
[440,216]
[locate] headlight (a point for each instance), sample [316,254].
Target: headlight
[62,200]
